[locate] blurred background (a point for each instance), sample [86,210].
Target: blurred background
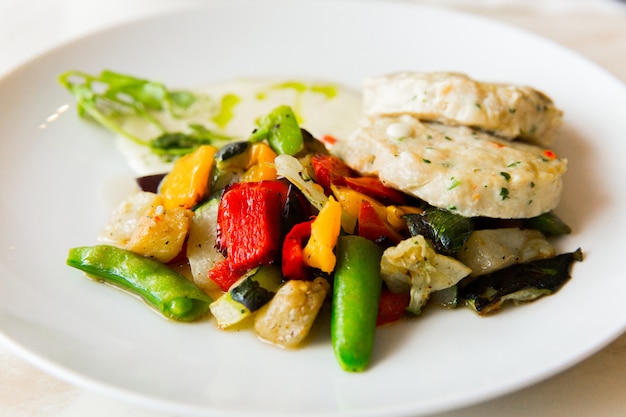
[594,27]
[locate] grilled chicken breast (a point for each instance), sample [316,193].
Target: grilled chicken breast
[467,171]
[507,111]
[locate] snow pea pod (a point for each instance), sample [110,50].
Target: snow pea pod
[356,294]
[161,287]
[282,131]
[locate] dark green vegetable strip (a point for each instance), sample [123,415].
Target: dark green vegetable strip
[281,130]
[447,231]
[356,294]
[161,287]
[520,282]
[549,224]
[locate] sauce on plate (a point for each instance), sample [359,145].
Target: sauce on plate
[232,108]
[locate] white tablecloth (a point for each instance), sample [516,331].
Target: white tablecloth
[593,28]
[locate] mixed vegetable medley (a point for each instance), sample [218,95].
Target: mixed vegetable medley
[270,229]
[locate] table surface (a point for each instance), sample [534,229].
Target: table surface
[595,29]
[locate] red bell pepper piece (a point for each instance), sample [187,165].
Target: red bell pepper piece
[372,227]
[392,306]
[249,226]
[223,275]
[329,170]
[373,187]
[293,265]
[328,139]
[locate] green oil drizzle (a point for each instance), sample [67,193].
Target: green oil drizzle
[329,91]
[227,107]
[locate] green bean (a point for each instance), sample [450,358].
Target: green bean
[356,293]
[161,287]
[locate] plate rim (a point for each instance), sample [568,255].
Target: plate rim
[76,378]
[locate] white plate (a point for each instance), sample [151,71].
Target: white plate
[53,173]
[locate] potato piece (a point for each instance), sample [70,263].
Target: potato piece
[126,216]
[161,233]
[287,319]
[492,249]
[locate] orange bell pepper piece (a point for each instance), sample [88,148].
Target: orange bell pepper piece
[188,181]
[260,166]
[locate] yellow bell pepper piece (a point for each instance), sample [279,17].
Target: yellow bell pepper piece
[260,165]
[260,153]
[351,200]
[260,172]
[318,252]
[188,181]
[395,213]
[351,203]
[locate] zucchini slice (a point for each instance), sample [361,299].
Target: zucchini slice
[251,292]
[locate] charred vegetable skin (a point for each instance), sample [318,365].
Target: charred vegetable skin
[356,295]
[447,231]
[521,282]
[161,287]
